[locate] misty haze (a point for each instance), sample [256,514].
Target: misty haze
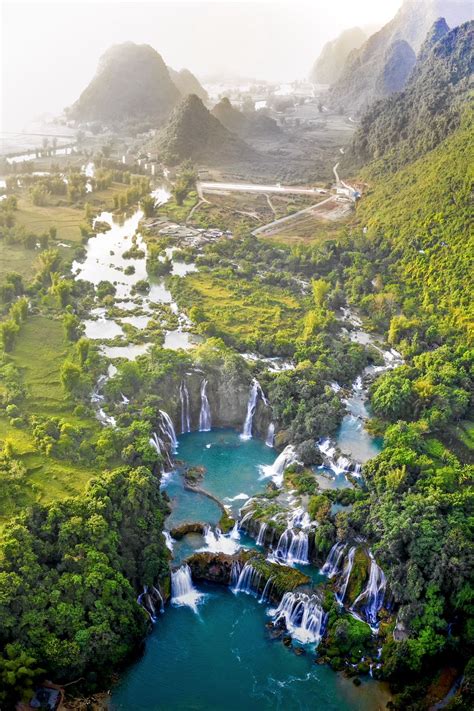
[236,330]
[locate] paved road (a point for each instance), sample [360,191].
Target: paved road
[252,188]
[282,220]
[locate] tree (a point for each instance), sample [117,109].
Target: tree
[8,332]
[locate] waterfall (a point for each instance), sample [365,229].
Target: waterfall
[303,616]
[155,442]
[299,519]
[185,416]
[145,600]
[205,413]
[255,391]
[261,534]
[270,435]
[183,591]
[292,547]
[276,470]
[266,590]
[235,571]
[374,594]
[334,559]
[168,540]
[248,581]
[346,574]
[168,430]
[218,542]
[158,444]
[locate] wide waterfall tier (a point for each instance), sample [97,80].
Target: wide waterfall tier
[302,615]
[255,392]
[270,439]
[346,574]
[149,599]
[205,412]
[370,601]
[167,429]
[218,542]
[334,560]
[247,579]
[293,547]
[185,408]
[183,591]
[277,469]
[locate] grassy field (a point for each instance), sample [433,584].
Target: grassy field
[243,311]
[38,354]
[305,230]
[40,219]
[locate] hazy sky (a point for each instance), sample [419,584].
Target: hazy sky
[50,49]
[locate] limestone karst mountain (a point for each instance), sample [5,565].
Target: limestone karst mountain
[382,65]
[132,81]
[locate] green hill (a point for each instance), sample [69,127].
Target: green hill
[193,132]
[328,66]
[132,81]
[187,83]
[245,124]
[414,121]
[382,65]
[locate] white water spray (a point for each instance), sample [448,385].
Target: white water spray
[205,413]
[185,412]
[346,574]
[183,591]
[168,430]
[333,562]
[270,440]
[276,470]
[373,595]
[303,616]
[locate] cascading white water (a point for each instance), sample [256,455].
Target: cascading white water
[183,591]
[168,430]
[155,442]
[332,565]
[270,440]
[169,541]
[218,542]
[276,470]
[205,413]
[261,534]
[373,594]
[235,571]
[248,581]
[299,518]
[185,412]
[303,616]
[145,600]
[255,391]
[346,574]
[292,547]
[264,597]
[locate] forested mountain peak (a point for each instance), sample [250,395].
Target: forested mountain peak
[193,132]
[245,124]
[187,83]
[362,79]
[132,81]
[330,62]
[427,110]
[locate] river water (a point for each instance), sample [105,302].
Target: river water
[221,658]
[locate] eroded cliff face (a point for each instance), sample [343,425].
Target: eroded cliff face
[228,397]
